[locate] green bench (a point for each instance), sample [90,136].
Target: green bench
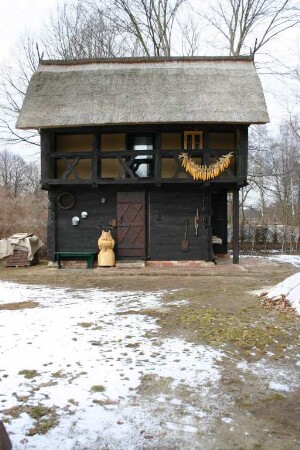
[88,256]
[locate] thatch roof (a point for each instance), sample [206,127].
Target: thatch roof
[143,91]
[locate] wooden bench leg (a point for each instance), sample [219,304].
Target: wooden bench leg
[90,260]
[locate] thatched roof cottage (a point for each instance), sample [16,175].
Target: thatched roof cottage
[148,147]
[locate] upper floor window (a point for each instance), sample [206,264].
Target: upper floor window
[142,165]
[193,140]
[73,157]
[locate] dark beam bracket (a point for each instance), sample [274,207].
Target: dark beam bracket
[71,168]
[126,166]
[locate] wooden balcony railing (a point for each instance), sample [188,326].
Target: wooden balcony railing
[132,166]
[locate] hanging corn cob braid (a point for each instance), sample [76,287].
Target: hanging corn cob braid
[204,173]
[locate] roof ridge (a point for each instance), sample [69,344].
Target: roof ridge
[133,60]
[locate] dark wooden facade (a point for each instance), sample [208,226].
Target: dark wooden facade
[141,193]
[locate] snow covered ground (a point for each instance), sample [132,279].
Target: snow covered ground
[289,259]
[90,354]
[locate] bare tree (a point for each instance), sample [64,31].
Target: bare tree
[148,24]
[17,176]
[87,29]
[23,213]
[73,32]
[12,172]
[78,31]
[259,143]
[15,77]
[274,175]
[190,36]
[250,24]
[32,178]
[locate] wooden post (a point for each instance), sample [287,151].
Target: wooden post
[46,149]
[51,226]
[235,226]
[95,163]
[207,224]
[206,151]
[242,152]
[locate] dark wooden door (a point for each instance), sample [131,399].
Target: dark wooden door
[131,231]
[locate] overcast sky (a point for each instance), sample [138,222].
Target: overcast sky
[18,15]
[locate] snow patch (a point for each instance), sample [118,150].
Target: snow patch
[284,259]
[279,387]
[269,373]
[226,420]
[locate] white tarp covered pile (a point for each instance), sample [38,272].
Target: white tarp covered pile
[287,291]
[20,241]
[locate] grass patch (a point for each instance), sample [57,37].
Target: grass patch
[133,345]
[275,396]
[18,306]
[185,295]
[14,411]
[45,418]
[58,374]
[105,402]
[85,324]
[21,398]
[37,412]
[246,329]
[6,420]
[29,373]
[98,388]
[43,426]
[218,327]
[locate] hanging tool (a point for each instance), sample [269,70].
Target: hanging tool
[196,221]
[185,242]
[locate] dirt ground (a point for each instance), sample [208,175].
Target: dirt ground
[215,305]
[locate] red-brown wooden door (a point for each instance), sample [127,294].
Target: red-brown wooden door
[131,231]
